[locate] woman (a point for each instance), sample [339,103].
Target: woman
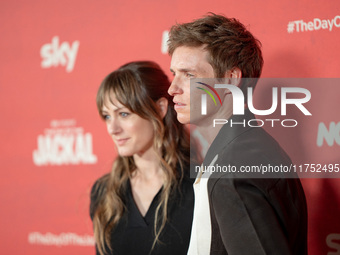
[145,204]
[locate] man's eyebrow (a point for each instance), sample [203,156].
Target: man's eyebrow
[184,70]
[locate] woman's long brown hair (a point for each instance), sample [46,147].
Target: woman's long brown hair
[138,85]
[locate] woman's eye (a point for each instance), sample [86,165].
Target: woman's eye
[124,114]
[106,117]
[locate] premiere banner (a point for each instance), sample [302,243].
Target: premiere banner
[287,108]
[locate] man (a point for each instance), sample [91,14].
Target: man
[234,215]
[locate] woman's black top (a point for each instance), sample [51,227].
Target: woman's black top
[134,234]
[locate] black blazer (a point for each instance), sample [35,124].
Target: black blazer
[254,215]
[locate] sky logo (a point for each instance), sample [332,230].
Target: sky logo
[204,97]
[56,54]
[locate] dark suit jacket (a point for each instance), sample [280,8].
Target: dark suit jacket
[254,215]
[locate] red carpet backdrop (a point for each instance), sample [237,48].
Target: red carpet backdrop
[54,54]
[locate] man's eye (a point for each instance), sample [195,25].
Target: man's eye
[190,75]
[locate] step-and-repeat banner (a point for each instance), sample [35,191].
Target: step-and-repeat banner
[54,54]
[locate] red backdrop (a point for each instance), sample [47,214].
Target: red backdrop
[54,55]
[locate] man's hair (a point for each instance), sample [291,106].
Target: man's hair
[229,43]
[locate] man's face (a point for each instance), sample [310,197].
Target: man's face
[186,63]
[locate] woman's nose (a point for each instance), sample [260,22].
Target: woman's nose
[113,126]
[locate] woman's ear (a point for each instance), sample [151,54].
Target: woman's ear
[162,104]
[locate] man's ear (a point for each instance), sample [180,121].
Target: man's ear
[233,73]
[162,104]
[234,76]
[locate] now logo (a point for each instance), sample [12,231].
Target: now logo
[54,54]
[330,135]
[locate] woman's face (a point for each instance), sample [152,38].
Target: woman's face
[131,134]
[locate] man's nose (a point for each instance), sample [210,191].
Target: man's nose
[175,87]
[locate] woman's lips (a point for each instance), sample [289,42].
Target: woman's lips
[122,141]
